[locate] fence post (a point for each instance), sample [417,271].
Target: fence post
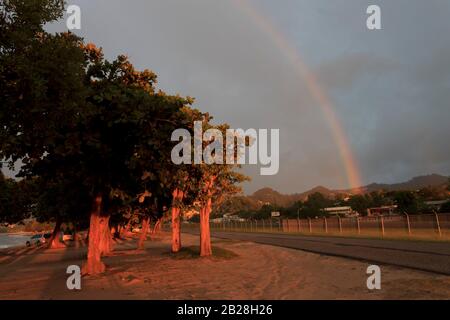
[256,225]
[358,225]
[382,226]
[325,225]
[438,224]
[288,227]
[408,223]
[310,225]
[271,225]
[340,224]
[262,225]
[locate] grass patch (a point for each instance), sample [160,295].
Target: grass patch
[193,252]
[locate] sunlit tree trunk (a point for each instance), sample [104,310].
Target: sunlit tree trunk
[156,228]
[205,233]
[54,242]
[143,237]
[176,230]
[125,231]
[177,197]
[97,226]
[106,241]
[205,211]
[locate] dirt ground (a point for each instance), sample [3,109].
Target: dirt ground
[242,270]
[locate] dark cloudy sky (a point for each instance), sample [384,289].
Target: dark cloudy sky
[391,88]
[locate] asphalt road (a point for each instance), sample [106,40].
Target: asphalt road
[426,256]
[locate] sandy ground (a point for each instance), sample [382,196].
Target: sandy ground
[257,272]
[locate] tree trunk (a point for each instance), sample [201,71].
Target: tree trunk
[156,228]
[177,197]
[176,230]
[125,231]
[106,240]
[118,231]
[54,242]
[205,234]
[97,226]
[76,238]
[143,237]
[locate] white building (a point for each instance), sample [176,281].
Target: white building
[341,211]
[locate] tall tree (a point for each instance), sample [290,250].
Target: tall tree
[214,179]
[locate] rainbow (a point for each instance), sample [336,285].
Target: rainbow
[317,92]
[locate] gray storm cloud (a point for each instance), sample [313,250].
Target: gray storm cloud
[391,88]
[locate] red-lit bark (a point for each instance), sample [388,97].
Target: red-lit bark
[144,231]
[205,211]
[97,227]
[156,228]
[106,240]
[54,242]
[125,230]
[205,233]
[177,197]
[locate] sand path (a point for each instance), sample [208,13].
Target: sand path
[258,272]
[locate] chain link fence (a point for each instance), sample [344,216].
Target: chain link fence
[420,226]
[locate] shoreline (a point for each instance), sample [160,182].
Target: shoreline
[20,233]
[13,244]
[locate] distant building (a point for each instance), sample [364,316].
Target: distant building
[436,204]
[380,211]
[228,217]
[340,211]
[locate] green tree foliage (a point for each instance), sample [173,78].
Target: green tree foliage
[313,207]
[445,208]
[93,135]
[17,200]
[64,200]
[406,201]
[360,203]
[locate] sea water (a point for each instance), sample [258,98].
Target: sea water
[12,240]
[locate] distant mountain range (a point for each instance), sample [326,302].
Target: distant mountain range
[432,180]
[268,195]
